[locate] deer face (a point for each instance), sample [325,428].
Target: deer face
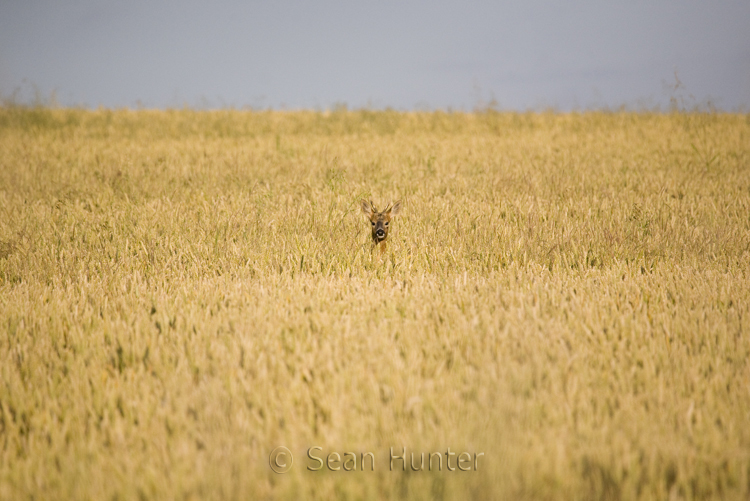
[380,221]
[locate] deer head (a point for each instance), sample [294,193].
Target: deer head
[380,221]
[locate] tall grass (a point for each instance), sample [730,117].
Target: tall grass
[181,292]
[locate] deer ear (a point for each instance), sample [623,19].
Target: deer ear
[396,208]
[366,207]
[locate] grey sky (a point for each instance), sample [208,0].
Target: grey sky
[402,54]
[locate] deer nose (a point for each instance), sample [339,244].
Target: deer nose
[380,233]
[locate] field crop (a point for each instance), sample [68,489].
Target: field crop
[181,292]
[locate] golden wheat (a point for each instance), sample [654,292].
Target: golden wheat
[182,292]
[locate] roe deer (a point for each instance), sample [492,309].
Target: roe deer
[380,221]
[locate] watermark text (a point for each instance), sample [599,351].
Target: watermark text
[394,459]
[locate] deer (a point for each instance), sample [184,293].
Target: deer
[380,222]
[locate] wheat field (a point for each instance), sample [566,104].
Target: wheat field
[564,300]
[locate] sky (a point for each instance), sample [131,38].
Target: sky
[410,55]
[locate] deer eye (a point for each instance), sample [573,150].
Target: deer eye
[386,223]
[372,223]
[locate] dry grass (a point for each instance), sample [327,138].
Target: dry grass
[181,292]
